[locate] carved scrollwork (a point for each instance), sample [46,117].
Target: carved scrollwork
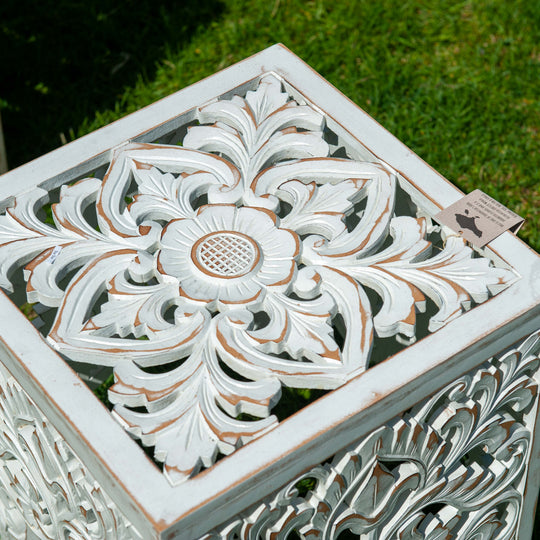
[242,256]
[45,490]
[449,468]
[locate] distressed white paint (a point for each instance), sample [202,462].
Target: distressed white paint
[346,413]
[219,263]
[46,492]
[451,467]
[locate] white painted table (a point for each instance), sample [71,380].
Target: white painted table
[252,234]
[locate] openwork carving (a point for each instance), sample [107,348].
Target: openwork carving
[449,468]
[45,490]
[226,254]
[240,260]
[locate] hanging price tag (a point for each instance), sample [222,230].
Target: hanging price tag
[479,218]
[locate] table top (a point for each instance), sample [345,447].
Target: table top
[250,234]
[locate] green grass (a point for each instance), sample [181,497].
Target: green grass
[458,82]
[101,391]
[455,81]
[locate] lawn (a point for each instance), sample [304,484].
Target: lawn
[457,81]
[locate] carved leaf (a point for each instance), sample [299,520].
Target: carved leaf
[453,278]
[319,209]
[115,218]
[82,338]
[186,420]
[300,327]
[135,309]
[166,197]
[260,129]
[403,275]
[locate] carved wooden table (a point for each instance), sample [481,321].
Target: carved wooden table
[231,253]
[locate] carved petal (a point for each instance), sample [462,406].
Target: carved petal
[372,229]
[112,214]
[72,334]
[402,274]
[242,350]
[259,130]
[75,241]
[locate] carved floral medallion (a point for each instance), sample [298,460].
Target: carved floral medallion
[211,273]
[228,255]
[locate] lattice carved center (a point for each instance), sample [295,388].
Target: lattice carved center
[226,254]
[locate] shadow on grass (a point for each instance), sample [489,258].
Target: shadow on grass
[62,60]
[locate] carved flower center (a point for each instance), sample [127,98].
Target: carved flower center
[226,254]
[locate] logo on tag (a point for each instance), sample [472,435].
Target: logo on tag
[479,218]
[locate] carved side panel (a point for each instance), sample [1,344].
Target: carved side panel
[451,467]
[45,490]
